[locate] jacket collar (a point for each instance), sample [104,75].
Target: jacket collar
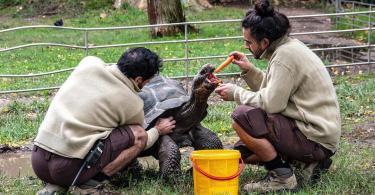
[127,81]
[269,51]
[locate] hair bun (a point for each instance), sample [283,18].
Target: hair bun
[263,8]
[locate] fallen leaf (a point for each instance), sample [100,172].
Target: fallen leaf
[103,15]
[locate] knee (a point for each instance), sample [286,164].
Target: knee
[241,113]
[140,136]
[242,110]
[235,126]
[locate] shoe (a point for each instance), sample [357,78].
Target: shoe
[312,172]
[276,180]
[51,189]
[92,187]
[244,151]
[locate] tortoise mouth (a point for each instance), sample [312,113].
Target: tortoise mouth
[211,78]
[205,82]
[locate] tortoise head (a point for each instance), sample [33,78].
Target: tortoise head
[205,82]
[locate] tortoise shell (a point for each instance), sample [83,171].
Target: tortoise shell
[161,94]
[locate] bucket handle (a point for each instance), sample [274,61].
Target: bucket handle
[242,166]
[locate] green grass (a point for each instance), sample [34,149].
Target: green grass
[40,59]
[356,94]
[356,21]
[352,172]
[218,117]
[20,120]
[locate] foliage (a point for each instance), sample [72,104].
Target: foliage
[21,119]
[8,3]
[26,8]
[356,95]
[355,22]
[41,59]
[351,173]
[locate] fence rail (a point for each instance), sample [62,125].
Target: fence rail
[86,47]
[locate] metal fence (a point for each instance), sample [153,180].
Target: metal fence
[366,27]
[355,21]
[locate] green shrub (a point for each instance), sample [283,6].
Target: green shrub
[54,7]
[98,4]
[8,3]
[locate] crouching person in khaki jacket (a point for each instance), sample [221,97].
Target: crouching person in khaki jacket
[97,108]
[291,112]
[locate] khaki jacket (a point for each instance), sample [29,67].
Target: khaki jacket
[93,101]
[297,85]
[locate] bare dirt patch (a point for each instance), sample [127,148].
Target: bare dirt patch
[362,133]
[12,149]
[4,101]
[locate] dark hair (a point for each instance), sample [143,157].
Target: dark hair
[139,61]
[265,22]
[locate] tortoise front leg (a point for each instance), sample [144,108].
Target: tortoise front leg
[204,138]
[169,157]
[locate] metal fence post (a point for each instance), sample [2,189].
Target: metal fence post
[336,17]
[186,56]
[369,40]
[86,39]
[353,18]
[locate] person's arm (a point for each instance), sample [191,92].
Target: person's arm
[272,99]
[252,75]
[163,126]
[152,136]
[275,96]
[253,78]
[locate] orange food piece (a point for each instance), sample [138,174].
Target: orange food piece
[224,64]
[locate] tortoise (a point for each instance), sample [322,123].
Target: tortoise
[164,97]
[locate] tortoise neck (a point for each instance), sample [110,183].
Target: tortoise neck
[195,105]
[198,99]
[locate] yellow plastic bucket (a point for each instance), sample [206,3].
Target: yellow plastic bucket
[216,171]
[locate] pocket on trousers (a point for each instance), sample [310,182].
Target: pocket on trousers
[117,142]
[60,164]
[318,154]
[272,123]
[257,122]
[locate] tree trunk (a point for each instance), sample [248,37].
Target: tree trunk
[163,12]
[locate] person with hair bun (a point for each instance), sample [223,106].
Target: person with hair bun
[291,112]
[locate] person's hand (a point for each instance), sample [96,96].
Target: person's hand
[241,61]
[226,91]
[165,125]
